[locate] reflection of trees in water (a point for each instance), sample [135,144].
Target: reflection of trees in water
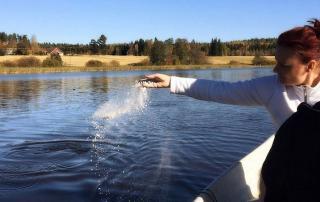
[99,84]
[124,81]
[181,73]
[98,89]
[18,92]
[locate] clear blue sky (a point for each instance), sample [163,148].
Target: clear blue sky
[78,21]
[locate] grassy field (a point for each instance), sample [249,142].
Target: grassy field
[77,64]
[224,60]
[80,60]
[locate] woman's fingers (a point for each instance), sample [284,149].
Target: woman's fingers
[151,85]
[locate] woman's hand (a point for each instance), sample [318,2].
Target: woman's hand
[156,81]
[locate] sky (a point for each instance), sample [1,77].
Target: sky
[79,21]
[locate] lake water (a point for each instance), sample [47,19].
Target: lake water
[94,137]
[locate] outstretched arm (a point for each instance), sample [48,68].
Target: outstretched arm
[249,92]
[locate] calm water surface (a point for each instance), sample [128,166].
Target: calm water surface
[151,146]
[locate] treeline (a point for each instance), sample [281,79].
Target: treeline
[261,46]
[170,51]
[23,45]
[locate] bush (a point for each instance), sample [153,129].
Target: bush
[2,52]
[39,52]
[144,62]
[8,63]
[57,57]
[234,62]
[114,63]
[176,60]
[198,57]
[28,62]
[95,63]
[261,60]
[53,61]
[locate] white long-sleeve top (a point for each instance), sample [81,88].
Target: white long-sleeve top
[280,100]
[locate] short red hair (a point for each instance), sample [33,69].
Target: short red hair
[304,40]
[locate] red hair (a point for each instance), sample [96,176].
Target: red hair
[305,41]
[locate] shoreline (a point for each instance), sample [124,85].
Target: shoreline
[41,70]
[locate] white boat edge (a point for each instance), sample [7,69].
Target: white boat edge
[242,181]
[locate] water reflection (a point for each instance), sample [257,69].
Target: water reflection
[168,152]
[16,93]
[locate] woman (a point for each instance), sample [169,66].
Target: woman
[296,80]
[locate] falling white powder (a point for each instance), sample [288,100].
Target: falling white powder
[114,117]
[135,100]
[116,113]
[112,122]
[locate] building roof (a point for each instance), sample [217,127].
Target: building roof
[56,51]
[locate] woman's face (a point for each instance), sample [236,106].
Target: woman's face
[290,69]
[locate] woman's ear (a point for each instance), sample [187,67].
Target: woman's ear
[312,64]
